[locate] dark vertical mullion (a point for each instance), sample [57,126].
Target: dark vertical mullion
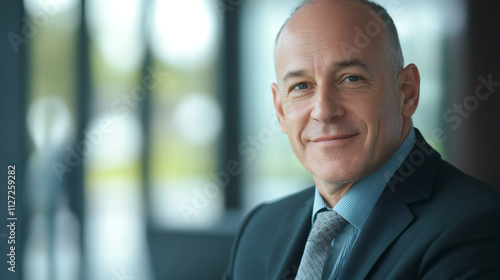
[484,135]
[145,117]
[474,141]
[83,101]
[13,143]
[230,100]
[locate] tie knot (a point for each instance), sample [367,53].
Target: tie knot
[326,226]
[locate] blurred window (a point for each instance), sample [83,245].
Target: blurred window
[116,230]
[186,116]
[49,29]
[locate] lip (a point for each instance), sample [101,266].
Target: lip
[333,138]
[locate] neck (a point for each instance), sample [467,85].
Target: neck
[332,192]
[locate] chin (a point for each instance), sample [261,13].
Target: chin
[336,175]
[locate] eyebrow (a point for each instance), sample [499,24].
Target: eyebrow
[338,66]
[293,74]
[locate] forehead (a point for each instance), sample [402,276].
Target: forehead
[347,29]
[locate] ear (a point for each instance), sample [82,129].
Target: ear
[278,106]
[409,89]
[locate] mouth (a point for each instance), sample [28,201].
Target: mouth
[333,139]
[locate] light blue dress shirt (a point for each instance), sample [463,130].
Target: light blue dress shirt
[356,205]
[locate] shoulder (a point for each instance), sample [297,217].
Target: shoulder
[256,238]
[460,200]
[269,213]
[461,209]
[454,196]
[466,211]
[266,220]
[463,192]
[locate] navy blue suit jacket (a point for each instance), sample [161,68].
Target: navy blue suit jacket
[432,222]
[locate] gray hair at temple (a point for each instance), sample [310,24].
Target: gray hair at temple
[392,43]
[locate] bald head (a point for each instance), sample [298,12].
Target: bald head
[379,14]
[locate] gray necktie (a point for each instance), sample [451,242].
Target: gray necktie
[318,245]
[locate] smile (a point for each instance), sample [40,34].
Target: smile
[333,139]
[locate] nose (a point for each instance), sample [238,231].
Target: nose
[327,105]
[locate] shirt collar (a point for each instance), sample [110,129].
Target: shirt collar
[356,205]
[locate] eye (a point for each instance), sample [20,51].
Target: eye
[301,86]
[353,79]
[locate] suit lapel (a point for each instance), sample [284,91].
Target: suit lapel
[391,216]
[290,241]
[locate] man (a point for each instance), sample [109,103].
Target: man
[385,206]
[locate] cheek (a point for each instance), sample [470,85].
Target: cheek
[388,124]
[375,117]
[296,116]
[296,119]
[366,112]
[393,116]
